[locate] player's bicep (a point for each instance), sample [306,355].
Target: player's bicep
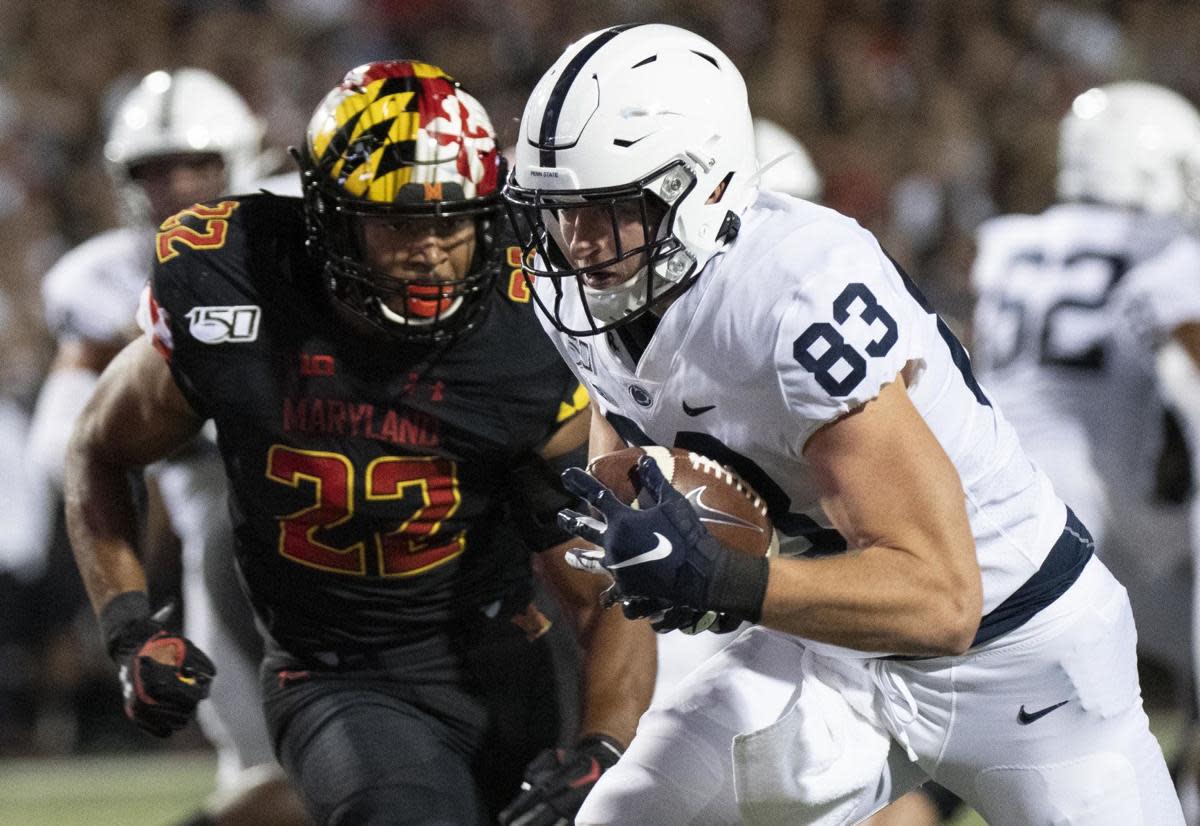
[884,480]
[137,414]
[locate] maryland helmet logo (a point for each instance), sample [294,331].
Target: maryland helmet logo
[404,131]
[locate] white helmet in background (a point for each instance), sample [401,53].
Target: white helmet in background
[648,118]
[184,111]
[1132,145]
[784,164]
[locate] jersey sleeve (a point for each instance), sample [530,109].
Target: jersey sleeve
[195,298]
[1169,287]
[846,330]
[91,292]
[158,325]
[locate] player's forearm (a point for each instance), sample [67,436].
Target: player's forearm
[619,669]
[101,521]
[875,599]
[60,401]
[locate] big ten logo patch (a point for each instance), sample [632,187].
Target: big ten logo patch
[206,230]
[316,364]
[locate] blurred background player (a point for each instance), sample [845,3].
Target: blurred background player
[176,138]
[1179,379]
[384,404]
[1073,305]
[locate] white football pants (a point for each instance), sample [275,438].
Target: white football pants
[1043,725]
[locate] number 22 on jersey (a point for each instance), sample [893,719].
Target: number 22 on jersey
[214,227]
[412,547]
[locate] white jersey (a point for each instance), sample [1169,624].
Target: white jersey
[92,291]
[803,319]
[1072,305]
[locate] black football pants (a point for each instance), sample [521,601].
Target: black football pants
[366,748]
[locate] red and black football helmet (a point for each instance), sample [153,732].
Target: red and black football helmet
[401,139]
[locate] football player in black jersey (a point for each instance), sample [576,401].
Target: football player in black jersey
[389,413]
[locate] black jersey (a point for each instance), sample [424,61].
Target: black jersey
[367,479]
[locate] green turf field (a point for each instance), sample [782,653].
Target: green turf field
[159,789]
[125,790]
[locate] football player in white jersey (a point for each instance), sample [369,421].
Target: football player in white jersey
[177,138]
[787,168]
[1072,306]
[936,610]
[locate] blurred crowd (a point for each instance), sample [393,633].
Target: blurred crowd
[924,117]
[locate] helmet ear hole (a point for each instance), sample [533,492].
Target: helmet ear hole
[719,191]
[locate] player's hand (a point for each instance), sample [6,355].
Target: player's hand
[558,780]
[662,552]
[163,676]
[665,617]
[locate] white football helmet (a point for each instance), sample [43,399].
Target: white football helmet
[1132,145]
[185,110]
[785,165]
[637,119]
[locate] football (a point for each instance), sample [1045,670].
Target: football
[732,512]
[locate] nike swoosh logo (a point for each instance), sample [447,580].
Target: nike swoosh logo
[713,515]
[1026,717]
[660,551]
[696,411]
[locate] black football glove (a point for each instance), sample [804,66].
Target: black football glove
[163,675]
[662,552]
[557,781]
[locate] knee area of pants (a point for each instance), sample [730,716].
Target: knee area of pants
[401,805]
[1097,790]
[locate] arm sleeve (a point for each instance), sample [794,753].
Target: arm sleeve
[844,333]
[161,326]
[1170,286]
